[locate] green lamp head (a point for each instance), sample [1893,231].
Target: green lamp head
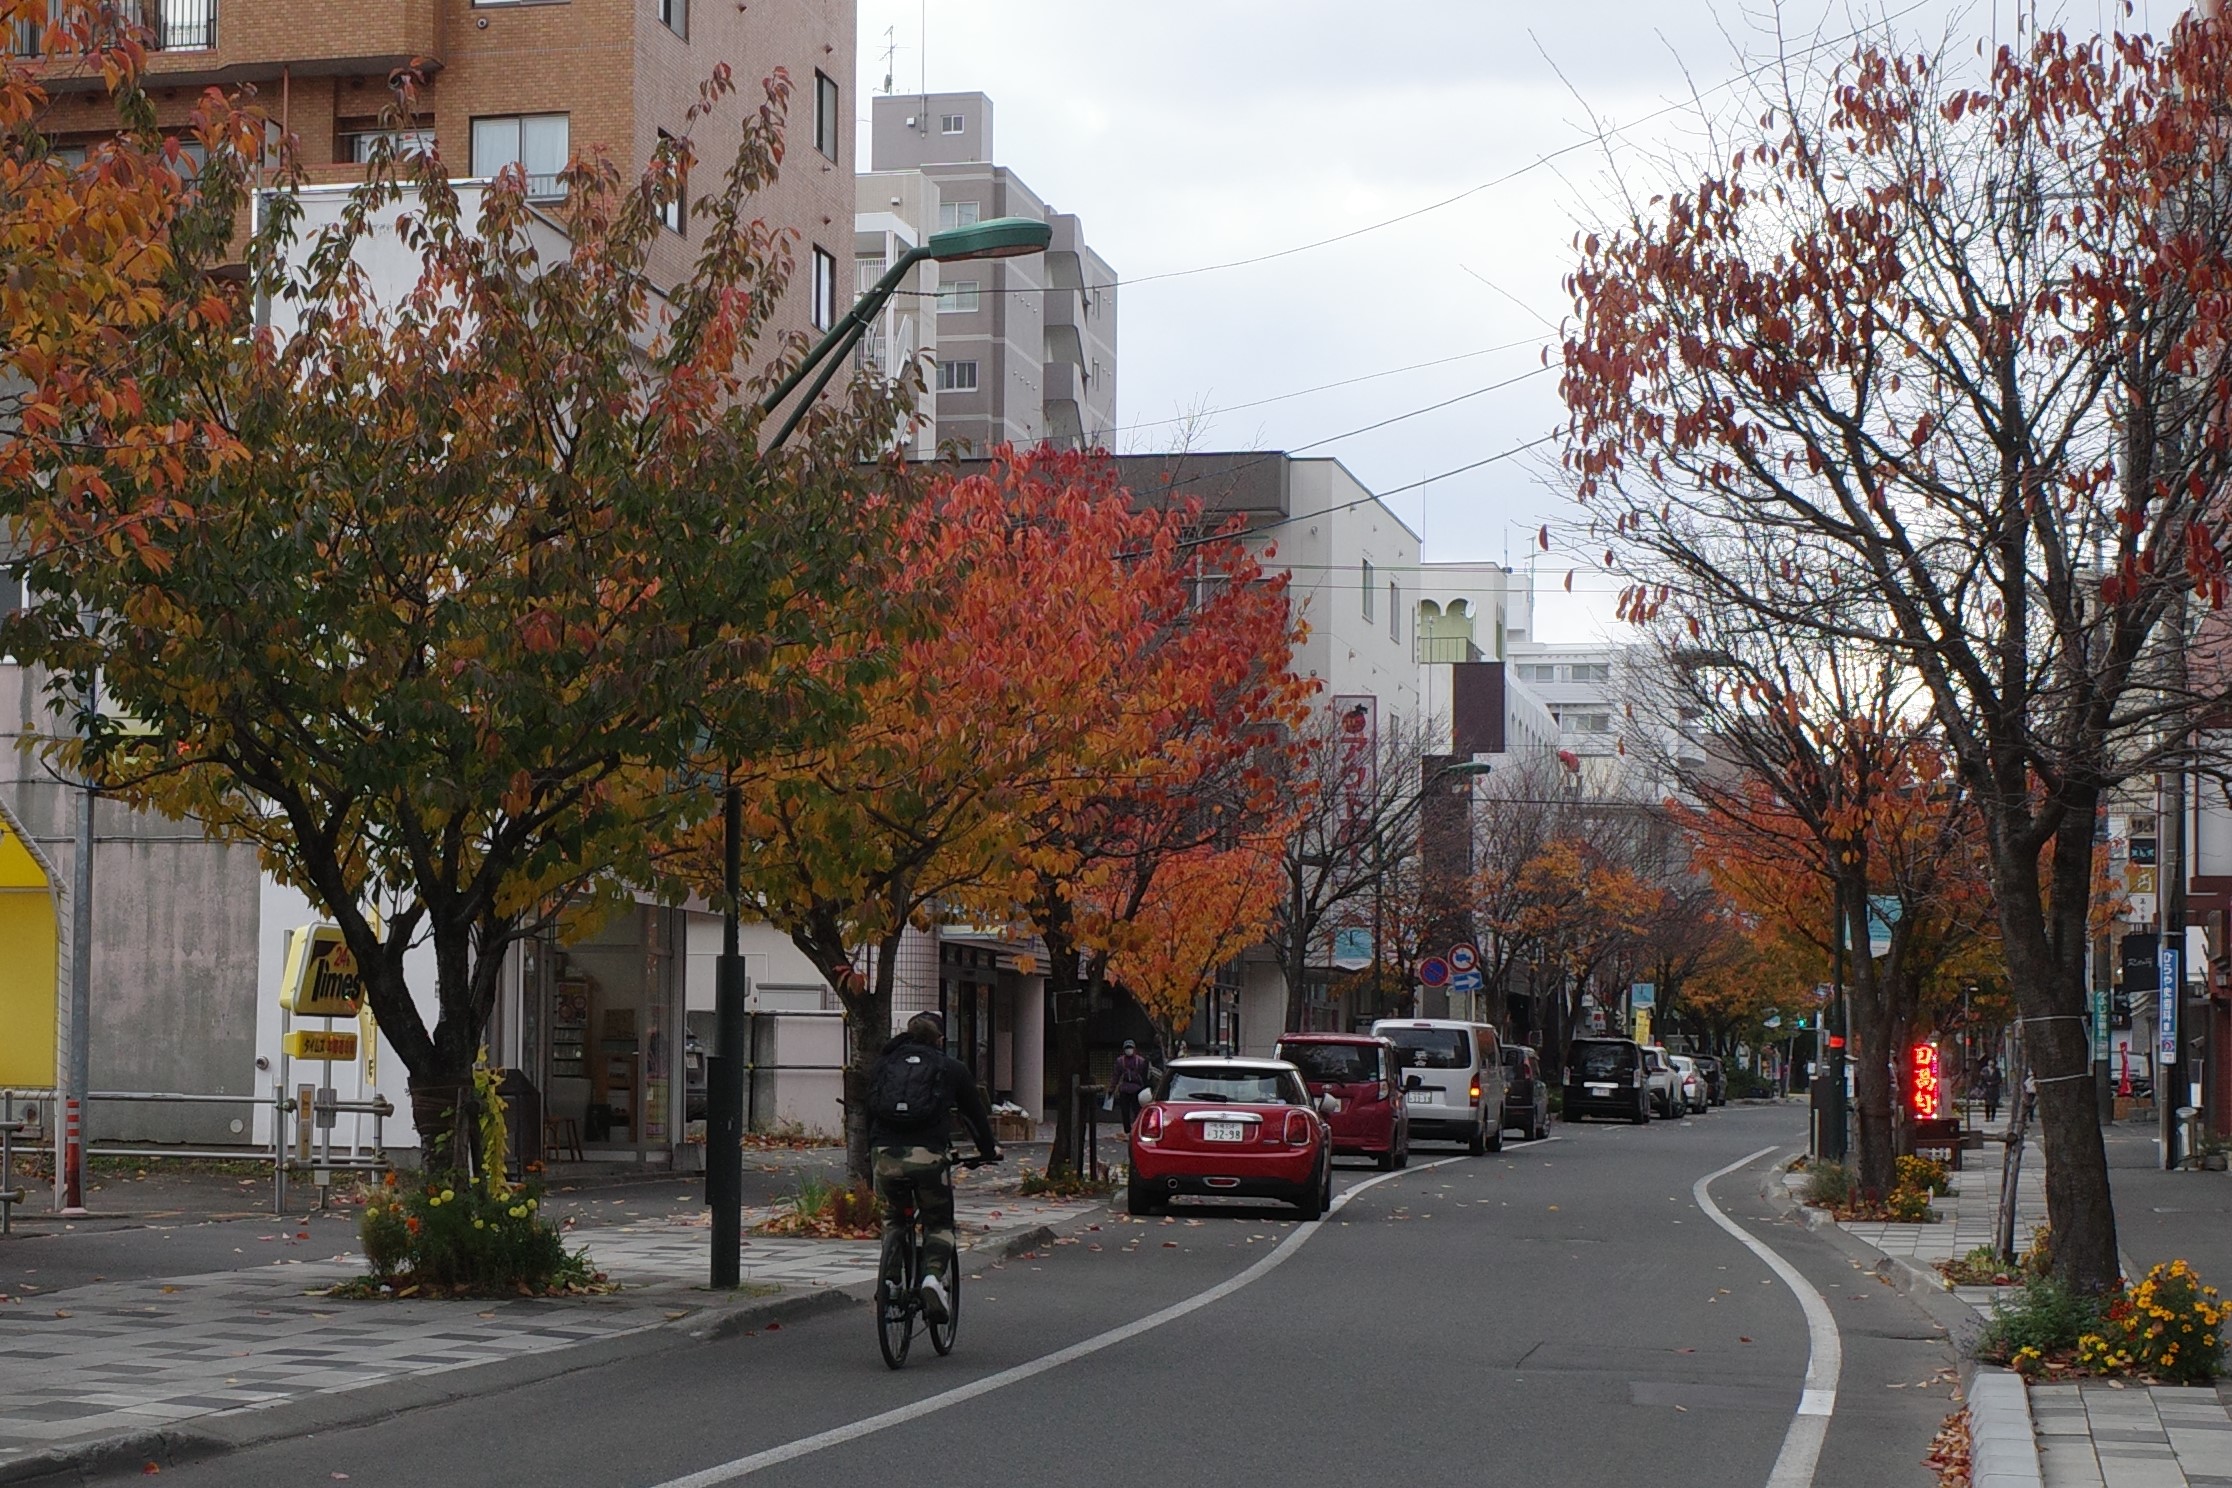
[1002,237]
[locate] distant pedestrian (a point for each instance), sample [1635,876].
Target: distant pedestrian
[1988,1084]
[1133,1073]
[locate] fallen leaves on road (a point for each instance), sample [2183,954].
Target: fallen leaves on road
[1948,1456]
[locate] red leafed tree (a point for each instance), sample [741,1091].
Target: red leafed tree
[1184,752]
[1931,362]
[1032,596]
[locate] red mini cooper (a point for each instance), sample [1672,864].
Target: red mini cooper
[1369,1116]
[1240,1127]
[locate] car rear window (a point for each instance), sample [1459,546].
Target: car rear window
[1245,1086]
[1432,1048]
[1602,1061]
[1514,1059]
[1334,1064]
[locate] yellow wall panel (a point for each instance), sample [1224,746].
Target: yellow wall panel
[28,945]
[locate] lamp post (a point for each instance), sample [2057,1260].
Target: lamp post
[1002,237]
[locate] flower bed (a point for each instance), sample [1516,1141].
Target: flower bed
[2168,1328]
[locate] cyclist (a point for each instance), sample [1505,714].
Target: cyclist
[914,1090]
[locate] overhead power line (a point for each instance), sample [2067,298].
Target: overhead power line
[1588,141]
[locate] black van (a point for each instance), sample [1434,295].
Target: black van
[1604,1077]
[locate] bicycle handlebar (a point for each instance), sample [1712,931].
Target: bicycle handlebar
[975,1160]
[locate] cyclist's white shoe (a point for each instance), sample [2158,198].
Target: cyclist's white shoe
[934,1299]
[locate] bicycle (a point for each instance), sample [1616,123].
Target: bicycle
[899,1284]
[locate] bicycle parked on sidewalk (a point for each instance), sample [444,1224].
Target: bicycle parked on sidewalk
[899,1282]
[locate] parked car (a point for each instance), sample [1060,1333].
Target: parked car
[1665,1081]
[1607,1077]
[1240,1127]
[1715,1076]
[1359,1070]
[1693,1084]
[1526,1096]
[1452,1078]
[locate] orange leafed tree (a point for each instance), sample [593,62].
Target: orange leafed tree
[88,262]
[1202,909]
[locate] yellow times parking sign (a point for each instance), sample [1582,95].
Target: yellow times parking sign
[321,979]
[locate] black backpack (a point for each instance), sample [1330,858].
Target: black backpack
[909,1090]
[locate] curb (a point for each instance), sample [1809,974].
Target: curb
[2003,1444]
[234,1431]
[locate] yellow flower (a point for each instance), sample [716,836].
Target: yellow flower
[517,1211]
[448,1194]
[480,1224]
[371,1211]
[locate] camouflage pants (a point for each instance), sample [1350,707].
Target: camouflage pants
[922,1173]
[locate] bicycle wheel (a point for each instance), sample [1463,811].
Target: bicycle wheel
[941,1334]
[895,1297]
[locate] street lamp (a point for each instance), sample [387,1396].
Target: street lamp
[1002,237]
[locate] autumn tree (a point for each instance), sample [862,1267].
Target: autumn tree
[470,571]
[1354,792]
[1187,750]
[1202,910]
[1949,337]
[1022,618]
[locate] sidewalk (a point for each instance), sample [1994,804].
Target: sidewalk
[93,1369]
[2091,1434]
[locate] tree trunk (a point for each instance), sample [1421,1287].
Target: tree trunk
[2044,947]
[1868,1047]
[867,1020]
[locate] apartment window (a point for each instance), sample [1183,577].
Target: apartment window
[675,16]
[826,115]
[1394,610]
[957,214]
[959,297]
[403,144]
[675,212]
[539,144]
[1367,589]
[957,377]
[952,123]
[825,289]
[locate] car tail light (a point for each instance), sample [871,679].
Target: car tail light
[1298,1129]
[1151,1124]
[1476,1090]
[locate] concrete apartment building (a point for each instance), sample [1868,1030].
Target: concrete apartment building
[1027,345]
[526,82]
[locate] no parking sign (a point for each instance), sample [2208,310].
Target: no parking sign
[1433,972]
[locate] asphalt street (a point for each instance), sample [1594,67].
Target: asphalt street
[1562,1313]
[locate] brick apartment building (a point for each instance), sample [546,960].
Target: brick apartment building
[527,81]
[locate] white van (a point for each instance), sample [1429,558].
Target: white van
[1452,1079]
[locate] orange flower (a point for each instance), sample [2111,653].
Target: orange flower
[412,1224]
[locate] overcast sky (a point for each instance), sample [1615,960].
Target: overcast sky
[1191,133]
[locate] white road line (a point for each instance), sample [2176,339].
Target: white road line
[1801,1448]
[806,1446]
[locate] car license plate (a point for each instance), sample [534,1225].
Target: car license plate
[1600,1090]
[1421,1097]
[1223,1131]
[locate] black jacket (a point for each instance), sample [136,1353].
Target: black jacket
[968,1100]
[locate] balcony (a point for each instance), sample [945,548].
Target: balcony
[222,42]
[172,26]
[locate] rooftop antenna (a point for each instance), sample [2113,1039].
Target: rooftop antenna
[922,70]
[891,54]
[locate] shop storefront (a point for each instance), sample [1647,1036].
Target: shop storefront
[599,1026]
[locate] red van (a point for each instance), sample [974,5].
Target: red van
[1358,1071]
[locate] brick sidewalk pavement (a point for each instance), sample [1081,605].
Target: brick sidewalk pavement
[2093,1434]
[103,1360]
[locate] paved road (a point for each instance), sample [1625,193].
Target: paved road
[1562,1314]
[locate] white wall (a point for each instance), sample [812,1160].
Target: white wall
[281,910]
